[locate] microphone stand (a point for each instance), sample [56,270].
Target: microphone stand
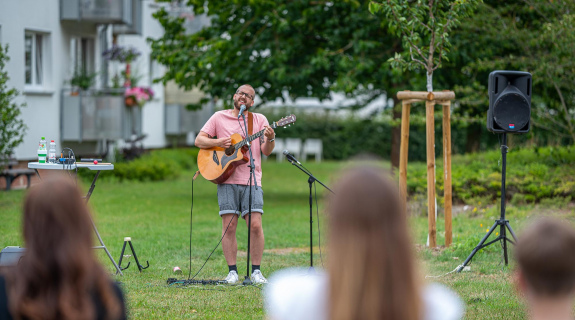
[310,181]
[247,280]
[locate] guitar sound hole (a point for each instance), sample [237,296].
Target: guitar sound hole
[230,150]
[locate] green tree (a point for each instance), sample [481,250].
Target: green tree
[12,127]
[424,27]
[306,48]
[527,35]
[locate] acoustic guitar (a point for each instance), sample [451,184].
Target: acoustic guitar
[217,164]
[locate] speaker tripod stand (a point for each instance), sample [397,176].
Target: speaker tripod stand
[502,223]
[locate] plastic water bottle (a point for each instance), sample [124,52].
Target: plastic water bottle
[42,151]
[52,152]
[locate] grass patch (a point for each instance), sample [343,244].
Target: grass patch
[156,214]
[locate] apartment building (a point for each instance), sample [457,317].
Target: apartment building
[52,40]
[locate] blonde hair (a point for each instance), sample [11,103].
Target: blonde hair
[372,271]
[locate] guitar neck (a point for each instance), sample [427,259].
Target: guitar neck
[249,139]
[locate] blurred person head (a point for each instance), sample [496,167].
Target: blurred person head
[372,271]
[545,255]
[59,274]
[244,95]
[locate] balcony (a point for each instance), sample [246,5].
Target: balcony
[180,121]
[136,26]
[192,22]
[97,11]
[94,115]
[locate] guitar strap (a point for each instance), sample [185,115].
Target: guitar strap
[250,123]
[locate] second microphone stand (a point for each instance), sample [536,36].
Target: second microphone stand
[310,181]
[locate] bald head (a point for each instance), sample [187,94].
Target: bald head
[244,95]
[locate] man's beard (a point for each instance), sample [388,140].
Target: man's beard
[238,104]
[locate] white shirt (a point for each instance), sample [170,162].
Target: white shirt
[299,294]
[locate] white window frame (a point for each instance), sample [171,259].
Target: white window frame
[44,69]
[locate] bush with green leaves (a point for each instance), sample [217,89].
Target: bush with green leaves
[535,174]
[163,164]
[12,127]
[343,138]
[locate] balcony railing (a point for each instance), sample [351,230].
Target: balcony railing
[93,116]
[193,23]
[180,121]
[97,11]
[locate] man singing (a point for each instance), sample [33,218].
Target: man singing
[234,192]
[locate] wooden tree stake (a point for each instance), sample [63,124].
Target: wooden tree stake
[431,99]
[430,146]
[405,109]
[447,170]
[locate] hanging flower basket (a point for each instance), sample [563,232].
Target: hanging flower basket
[138,96]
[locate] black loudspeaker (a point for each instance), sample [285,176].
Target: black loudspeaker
[10,256]
[509,102]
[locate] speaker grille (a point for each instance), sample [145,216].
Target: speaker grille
[511,111]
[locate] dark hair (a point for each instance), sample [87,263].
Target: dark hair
[371,265]
[59,274]
[545,254]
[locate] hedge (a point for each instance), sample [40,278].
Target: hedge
[533,174]
[345,138]
[154,166]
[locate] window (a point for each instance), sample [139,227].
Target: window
[34,59]
[82,55]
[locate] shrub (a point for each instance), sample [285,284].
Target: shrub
[533,174]
[156,165]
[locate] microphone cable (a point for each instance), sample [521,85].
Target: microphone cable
[191,222]
[71,153]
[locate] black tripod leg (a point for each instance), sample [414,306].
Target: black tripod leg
[504,239]
[478,247]
[121,257]
[511,230]
[140,267]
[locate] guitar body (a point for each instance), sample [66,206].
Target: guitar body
[216,166]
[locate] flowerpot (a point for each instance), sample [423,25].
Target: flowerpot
[130,101]
[74,93]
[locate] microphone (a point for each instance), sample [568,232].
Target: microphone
[290,156]
[242,109]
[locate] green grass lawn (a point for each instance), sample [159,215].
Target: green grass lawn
[157,217]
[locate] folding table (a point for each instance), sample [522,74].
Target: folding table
[95,167]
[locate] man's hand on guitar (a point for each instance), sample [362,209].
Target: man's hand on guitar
[269,133]
[224,142]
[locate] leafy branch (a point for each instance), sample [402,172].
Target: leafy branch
[424,29]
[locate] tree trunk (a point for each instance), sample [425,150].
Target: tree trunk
[430,82]
[395,133]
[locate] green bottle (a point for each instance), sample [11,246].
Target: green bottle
[42,151]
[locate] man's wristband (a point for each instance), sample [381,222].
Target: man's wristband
[271,140]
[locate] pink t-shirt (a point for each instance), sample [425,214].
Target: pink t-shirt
[223,124]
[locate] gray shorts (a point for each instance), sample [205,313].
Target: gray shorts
[231,196]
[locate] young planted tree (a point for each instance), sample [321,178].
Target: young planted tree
[12,127]
[424,28]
